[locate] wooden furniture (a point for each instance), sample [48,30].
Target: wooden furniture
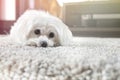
[100,18]
[5,26]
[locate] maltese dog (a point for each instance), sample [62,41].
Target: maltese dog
[38,28]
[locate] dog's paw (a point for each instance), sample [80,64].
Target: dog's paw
[30,43]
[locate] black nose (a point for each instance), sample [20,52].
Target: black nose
[44,44]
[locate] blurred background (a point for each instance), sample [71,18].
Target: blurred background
[86,18]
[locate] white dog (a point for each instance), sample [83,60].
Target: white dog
[37,28]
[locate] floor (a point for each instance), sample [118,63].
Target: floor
[84,59]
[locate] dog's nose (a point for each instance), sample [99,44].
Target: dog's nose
[44,44]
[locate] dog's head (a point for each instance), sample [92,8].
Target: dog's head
[41,29]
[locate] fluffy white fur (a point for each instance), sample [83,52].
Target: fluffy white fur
[21,30]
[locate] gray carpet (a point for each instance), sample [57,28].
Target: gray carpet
[83,59]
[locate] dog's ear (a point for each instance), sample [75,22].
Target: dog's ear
[19,31]
[65,35]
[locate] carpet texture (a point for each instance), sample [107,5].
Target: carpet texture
[84,59]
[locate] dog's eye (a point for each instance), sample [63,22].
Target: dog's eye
[51,35]
[37,31]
